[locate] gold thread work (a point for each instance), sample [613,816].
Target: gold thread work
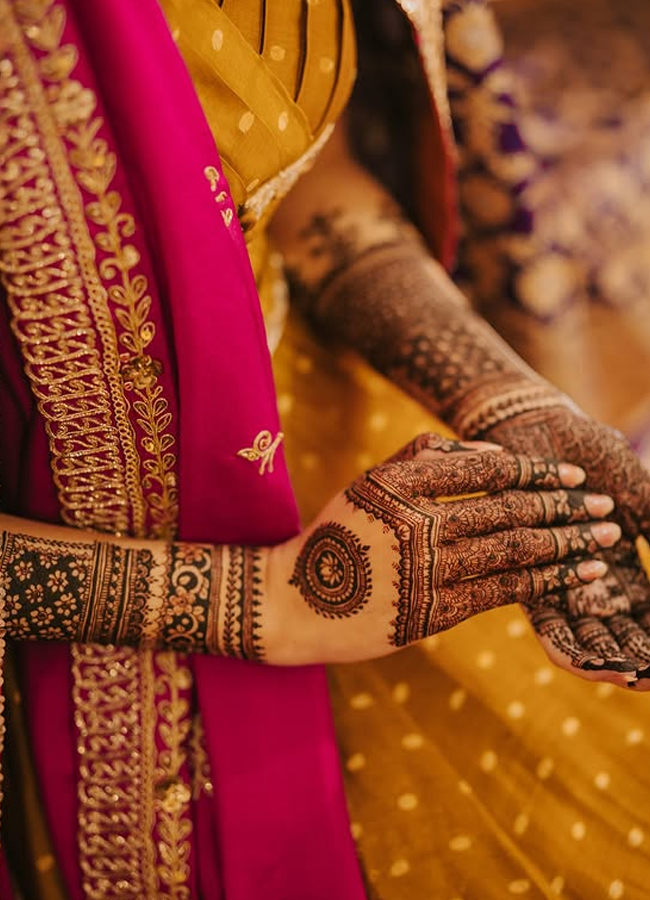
[84,330]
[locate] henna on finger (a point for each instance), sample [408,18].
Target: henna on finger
[610,463]
[520,547]
[596,637]
[513,509]
[430,441]
[392,494]
[632,639]
[523,586]
[470,473]
[556,635]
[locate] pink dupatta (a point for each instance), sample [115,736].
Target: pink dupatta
[279,808]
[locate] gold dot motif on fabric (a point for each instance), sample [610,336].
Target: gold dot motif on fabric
[570,726]
[400,867]
[412,741]
[557,885]
[430,644]
[465,787]
[488,761]
[460,842]
[635,837]
[602,781]
[605,690]
[516,710]
[519,886]
[356,830]
[401,692]
[176,33]
[277,53]
[304,364]
[363,461]
[521,823]
[283,121]
[634,737]
[578,831]
[217,39]
[362,700]
[246,122]
[485,659]
[326,65]
[545,768]
[378,421]
[285,404]
[309,461]
[516,628]
[356,762]
[457,699]
[616,890]
[544,675]
[45,862]
[407,802]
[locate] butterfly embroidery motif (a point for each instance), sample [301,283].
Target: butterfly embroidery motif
[263,450]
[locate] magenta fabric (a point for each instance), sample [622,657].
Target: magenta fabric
[279,808]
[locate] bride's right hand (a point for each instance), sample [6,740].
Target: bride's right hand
[404,552]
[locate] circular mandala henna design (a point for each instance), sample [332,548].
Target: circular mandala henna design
[332,572]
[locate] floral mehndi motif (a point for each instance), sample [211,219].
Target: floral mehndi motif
[333,571]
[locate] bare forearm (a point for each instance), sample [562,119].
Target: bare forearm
[57,584]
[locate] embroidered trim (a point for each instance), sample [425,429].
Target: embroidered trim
[222,198]
[3,646]
[279,186]
[426,18]
[60,306]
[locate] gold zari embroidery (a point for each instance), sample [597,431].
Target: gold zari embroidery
[80,313]
[263,450]
[426,18]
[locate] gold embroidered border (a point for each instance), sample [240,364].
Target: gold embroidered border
[59,300]
[279,186]
[426,18]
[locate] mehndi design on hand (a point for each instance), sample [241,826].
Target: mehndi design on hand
[189,597]
[433,563]
[332,571]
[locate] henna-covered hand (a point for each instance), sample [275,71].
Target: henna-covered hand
[404,552]
[612,467]
[563,432]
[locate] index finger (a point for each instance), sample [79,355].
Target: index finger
[471,473]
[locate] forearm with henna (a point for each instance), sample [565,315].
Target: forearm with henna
[367,279]
[189,597]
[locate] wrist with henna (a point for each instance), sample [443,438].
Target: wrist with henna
[380,292]
[187,597]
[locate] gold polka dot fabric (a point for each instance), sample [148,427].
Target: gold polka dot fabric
[475,770]
[270,77]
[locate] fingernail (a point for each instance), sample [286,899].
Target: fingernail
[480,445]
[571,476]
[606,533]
[596,662]
[595,568]
[599,504]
